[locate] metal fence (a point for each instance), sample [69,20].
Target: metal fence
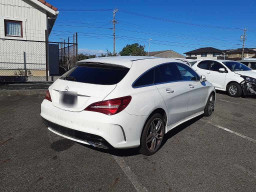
[30,60]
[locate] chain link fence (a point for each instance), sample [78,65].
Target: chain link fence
[29,60]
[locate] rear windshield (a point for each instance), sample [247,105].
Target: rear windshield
[101,74]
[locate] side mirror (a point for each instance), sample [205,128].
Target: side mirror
[222,70]
[202,78]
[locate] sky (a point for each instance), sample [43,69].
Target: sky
[171,25]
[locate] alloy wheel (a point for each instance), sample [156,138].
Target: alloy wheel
[155,135]
[233,90]
[211,105]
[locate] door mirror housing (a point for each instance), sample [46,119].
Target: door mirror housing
[202,78]
[222,70]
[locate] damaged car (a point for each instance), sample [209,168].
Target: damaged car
[233,77]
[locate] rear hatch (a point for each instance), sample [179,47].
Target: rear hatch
[85,84]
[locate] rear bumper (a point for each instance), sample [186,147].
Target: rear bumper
[77,136]
[119,131]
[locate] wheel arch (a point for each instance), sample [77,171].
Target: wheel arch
[158,110]
[232,82]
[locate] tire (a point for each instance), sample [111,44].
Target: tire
[152,135]
[209,108]
[234,90]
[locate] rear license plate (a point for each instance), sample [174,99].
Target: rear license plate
[69,98]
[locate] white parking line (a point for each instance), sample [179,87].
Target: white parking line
[227,101]
[233,132]
[131,176]
[248,172]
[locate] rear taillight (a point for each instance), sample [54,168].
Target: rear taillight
[48,96]
[110,107]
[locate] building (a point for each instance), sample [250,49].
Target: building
[213,53]
[166,54]
[22,36]
[236,54]
[204,53]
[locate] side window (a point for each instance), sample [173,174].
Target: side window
[167,73]
[187,73]
[145,79]
[204,65]
[253,66]
[215,66]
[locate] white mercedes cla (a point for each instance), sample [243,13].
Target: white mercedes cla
[125,102]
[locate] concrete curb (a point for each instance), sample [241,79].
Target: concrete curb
[4,93]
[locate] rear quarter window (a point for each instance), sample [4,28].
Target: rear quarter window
[146,79]
[100,74]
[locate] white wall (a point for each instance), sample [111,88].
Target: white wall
[209,56]
[198,56]
[34,22]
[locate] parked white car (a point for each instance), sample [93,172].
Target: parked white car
[231,76]
[250,62]
[125,102]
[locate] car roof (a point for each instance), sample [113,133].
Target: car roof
[218,60]
[125,61]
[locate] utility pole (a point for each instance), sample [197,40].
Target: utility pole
[149,46]
[243,37]
[114,30]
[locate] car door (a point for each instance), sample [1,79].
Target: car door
[216,77]
[173,91]
[198,91]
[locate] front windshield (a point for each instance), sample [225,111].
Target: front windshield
[236,66]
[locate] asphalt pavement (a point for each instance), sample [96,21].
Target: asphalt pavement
[217,153]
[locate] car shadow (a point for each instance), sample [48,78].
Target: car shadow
[180,128]
[243,96]
[135,151]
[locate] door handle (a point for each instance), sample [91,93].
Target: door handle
[169,90]
[191,86]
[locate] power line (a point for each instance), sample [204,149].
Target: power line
[147,33]
[85,10]
[174,43]
[179,22]
[87,26]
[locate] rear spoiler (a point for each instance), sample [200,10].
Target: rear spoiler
[98,64]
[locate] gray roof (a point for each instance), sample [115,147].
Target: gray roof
[205,50]
[166,54]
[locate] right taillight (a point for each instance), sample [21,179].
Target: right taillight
[48,96]
[110,107]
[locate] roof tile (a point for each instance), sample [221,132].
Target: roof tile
[48,5]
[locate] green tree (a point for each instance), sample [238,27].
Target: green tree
[82,56]
[133,49]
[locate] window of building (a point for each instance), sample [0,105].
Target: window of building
[13,28]
[203,54]
[215,54]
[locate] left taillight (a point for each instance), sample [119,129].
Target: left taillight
[110,107]
[48,96]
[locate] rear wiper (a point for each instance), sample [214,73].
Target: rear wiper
[70,78]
